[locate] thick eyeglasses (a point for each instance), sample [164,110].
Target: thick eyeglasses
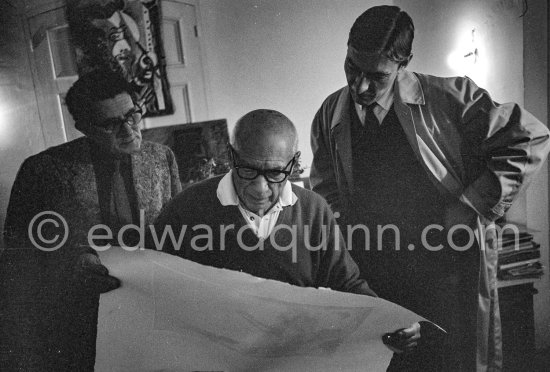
[271,175]
[132,118]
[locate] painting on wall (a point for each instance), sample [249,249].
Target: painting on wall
[200,148]
[124,35]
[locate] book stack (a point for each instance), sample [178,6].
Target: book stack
[518,256]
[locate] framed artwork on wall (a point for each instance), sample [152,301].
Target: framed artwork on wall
[200,148]
[124,35]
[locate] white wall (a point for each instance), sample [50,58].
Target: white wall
[444,27]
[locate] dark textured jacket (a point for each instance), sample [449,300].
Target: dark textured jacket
[48,322]
[62,179]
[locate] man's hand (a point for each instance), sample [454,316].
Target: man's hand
[93,276]
[403,340]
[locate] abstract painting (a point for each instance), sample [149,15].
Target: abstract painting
[124,35]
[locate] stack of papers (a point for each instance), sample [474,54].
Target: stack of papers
[519,256]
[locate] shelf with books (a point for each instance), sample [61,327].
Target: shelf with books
[518,256]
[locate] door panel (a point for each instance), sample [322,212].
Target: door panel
[55,72]
[183,65]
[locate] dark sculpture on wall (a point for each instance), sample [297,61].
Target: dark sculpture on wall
[124,35]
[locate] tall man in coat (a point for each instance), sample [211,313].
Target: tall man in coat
[424,163]
[108,177]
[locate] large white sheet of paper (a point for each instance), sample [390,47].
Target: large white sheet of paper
[172,314]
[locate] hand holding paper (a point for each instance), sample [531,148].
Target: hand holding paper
[403,340]
[92,275]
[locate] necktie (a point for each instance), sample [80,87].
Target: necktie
[121,211]
[370,119]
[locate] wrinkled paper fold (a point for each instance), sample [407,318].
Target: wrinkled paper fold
[172,314]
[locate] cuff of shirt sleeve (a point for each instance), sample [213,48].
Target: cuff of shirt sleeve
[471,198]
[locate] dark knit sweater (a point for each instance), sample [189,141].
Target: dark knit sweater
[391,188]
[288,255]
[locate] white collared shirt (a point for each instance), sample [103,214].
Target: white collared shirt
[261,226]
[380,110]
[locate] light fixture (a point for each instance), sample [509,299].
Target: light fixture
[473,51]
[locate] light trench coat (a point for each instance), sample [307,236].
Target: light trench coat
[480,152]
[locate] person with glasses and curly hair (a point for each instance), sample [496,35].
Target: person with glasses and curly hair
[108,177]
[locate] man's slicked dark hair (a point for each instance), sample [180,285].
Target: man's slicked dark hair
[384,30]
[97,85]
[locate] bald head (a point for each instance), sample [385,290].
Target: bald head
[264,150]
[264,129]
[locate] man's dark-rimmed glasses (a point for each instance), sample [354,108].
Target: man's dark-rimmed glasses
[271,175]
[132,118]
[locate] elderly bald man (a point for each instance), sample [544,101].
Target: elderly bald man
[260,223]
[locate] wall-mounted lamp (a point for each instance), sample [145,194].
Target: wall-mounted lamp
[473,53]
[465,59]
[469,55]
